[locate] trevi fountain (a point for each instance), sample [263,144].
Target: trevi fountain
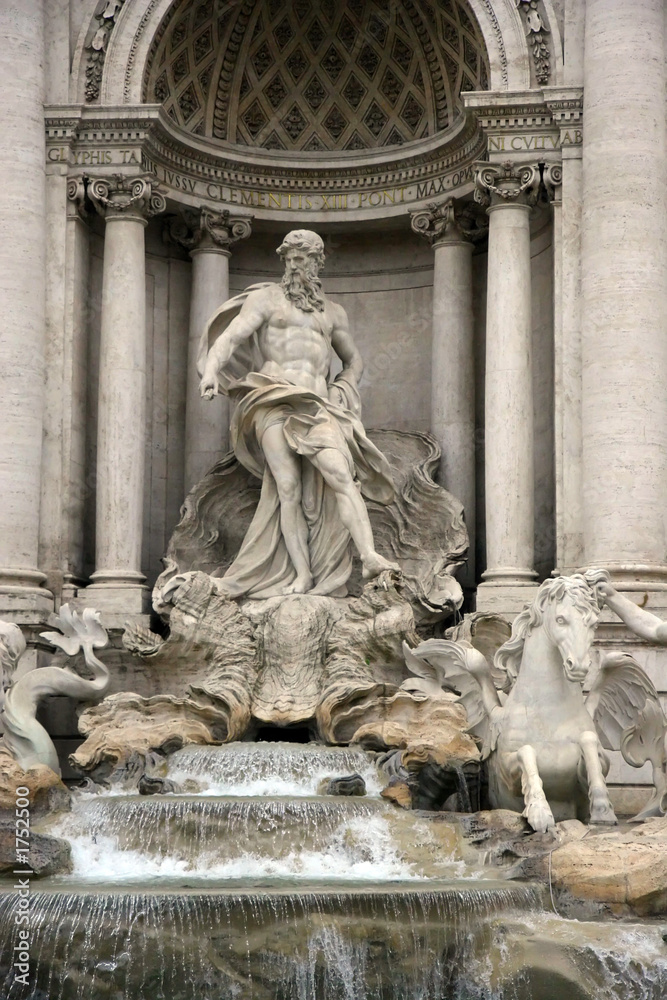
[333,464]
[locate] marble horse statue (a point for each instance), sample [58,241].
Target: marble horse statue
[21,690]
[543,739]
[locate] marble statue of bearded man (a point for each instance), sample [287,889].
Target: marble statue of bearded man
[270,349]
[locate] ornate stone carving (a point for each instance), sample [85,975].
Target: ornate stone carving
[301,79]
[106,16]
[502,52]
[545,737]
[23,736]
[552,178]
[537,31]
[297,430]
[449,220]
[507,182]
[126,196]
[203,229]
[76,195]
[423,527]
[215,176]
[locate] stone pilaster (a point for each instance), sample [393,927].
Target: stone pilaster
[564,182]
[126,203]
[624,288]
[508,191]
[22,292]
[450,228]
[209,237]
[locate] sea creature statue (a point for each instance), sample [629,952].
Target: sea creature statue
[21,691]
[646,738]
[543,739]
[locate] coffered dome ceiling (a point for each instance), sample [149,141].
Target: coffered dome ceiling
[315,74]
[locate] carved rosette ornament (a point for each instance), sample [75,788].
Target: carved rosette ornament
[207,230]
[507,183]
[449,221]
[126,197]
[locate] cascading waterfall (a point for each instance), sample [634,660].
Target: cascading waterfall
[270,768]
[250,883]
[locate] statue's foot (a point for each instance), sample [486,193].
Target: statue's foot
[301,585]
[540,817]
[374,564]
[602,812]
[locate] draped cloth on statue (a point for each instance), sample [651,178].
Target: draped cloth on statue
[310,424]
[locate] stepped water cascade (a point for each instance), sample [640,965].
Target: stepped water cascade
[250,881]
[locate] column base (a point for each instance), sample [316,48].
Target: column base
[116,598]
[506,596]
[22,598]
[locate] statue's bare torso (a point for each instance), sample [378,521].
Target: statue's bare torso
[295,345]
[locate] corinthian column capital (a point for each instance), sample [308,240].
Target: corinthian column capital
[507,183]
[121,197]
[450,221]
[204,229]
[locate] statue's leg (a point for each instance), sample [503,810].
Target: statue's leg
[336,473]
[285,468]
[598,796]
[537,810]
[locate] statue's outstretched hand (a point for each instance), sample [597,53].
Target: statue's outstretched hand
[208,386]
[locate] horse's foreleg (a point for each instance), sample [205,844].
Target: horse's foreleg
[537,810]
[598,796]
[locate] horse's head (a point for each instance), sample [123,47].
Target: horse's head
[566,607]
[569,617]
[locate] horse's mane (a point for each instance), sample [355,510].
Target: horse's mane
[508,657]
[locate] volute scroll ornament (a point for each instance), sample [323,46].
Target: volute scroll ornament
[505,183]
[126,196]
[450,220]
[205,229]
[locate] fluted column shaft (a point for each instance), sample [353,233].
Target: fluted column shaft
[121,430]
[22,291]
[624,286]
[209,237]
[508,409]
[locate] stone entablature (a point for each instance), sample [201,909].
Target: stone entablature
[532,123]
[192,171]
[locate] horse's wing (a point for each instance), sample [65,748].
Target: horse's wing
[618,697]
[446,662]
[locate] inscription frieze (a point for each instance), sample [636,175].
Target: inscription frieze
[321,201]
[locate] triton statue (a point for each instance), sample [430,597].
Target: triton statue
[270,349]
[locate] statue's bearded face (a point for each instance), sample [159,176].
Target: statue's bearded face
[301,282]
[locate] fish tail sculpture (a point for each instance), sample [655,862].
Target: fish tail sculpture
[25,738]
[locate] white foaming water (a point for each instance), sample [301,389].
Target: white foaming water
[276,769]
[360,848]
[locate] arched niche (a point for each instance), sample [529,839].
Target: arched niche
[137,23]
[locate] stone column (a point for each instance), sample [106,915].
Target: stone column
[209,237]
[126,203]
[624,288]
[22,292]
[564,182]
[447,229]
[508,411]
